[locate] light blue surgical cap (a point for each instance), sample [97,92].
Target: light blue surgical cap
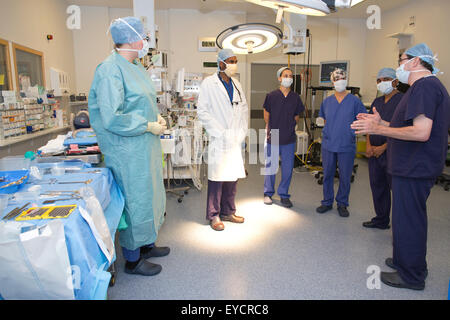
[122,33]
[224,54]
[424,53]
[387,73]
[280,71]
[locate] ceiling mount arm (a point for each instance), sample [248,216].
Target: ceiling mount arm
[289,39]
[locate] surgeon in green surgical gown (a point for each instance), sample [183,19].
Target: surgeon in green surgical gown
[124,115]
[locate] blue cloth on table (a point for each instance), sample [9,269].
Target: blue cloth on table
[85,141]
[86,258]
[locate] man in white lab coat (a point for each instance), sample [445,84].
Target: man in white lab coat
[223,111]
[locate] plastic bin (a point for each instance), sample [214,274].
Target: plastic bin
[360,148]
[10,176]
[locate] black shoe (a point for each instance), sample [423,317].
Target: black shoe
[343,212]
[393,279]
[144,268]
[390,263]
[147,253]
[370,224]
[285,202]
[323,209]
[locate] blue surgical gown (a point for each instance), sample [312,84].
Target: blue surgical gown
[122,100]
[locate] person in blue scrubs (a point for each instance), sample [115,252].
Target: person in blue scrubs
[380,180]
[417,149]
[282,109]
[338,142]
[124,115]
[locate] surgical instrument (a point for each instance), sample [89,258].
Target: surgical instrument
[73,182]
[15,212]
[65,199]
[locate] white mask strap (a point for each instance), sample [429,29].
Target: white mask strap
[131,28]
[422,70]
[431,57]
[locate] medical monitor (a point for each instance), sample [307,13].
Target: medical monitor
[327,67]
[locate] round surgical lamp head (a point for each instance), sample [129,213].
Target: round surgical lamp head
[250,38]
[306,7]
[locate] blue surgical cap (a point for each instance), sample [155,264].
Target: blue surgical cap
[280,71]
[387,73]
[224,54]
[424,53]
[122,33]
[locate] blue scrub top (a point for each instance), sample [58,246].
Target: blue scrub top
[283,111]
[386,111]
[337,134]
[228,87]
[413,159]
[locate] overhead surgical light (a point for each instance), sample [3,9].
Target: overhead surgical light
[355,2]
[333,4]
[306,7]
[250,38]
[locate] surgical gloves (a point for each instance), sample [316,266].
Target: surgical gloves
[156,128]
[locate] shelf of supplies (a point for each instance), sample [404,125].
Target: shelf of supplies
[25,137]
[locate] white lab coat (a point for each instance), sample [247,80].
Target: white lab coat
[226,125]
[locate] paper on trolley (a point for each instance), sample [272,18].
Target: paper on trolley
[94,216]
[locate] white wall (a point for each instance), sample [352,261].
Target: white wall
[91,43]
[180,29]
[432,27]
[332,39]
[178,35]
[27,23]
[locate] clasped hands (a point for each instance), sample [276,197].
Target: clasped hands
[367,123]
[158,127]
[375,151]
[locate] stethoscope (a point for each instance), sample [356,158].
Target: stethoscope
[233,103]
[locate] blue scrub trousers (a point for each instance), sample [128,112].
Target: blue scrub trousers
[134,255]
[331,160]
[409,227]
[287,154]
[380,183]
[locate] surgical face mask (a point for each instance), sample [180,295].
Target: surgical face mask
[385,87]
[403,75]
[231,69]
[340,85]
[142,52]
[287,82]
